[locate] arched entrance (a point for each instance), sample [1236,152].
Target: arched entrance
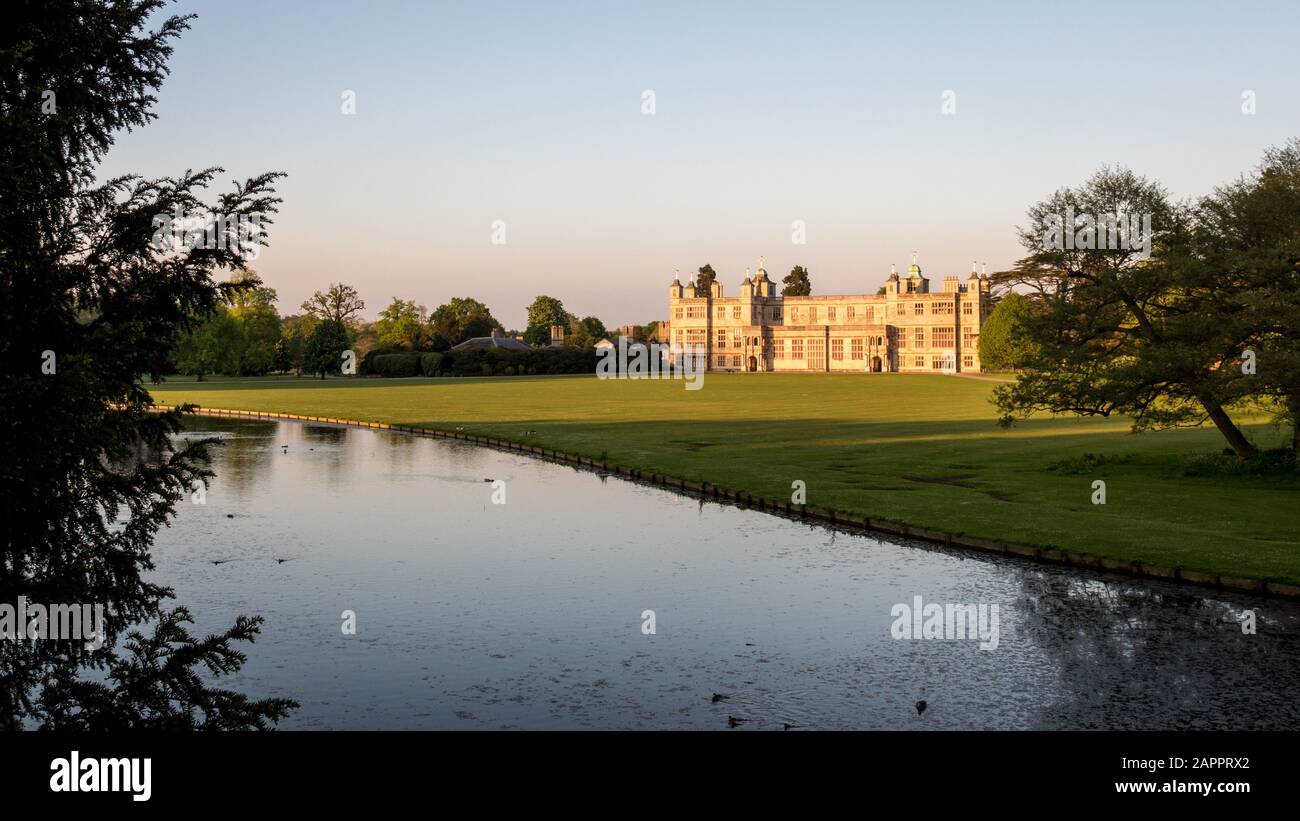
[875,364]
[753,364]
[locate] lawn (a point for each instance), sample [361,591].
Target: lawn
[918,449]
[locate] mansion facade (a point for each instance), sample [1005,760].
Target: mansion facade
[908,328]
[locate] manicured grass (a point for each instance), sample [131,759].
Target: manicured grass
[922,450]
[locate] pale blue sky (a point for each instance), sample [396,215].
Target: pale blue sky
[766,113]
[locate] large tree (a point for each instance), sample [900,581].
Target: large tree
[797,282]
[239,338]
[704,278]
[339,302]
[403,324]
[1003,342]
[325,348]
[1245,265]
[216,346]
[460,319]
[252,307]
[1111,327]
[295,331]
[89,301]
[585,332]
[543,312]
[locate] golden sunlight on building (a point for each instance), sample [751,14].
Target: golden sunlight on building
[906,328]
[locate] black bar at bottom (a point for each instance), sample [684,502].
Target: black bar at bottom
[305,769]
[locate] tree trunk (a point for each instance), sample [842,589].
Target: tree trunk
[1236,439]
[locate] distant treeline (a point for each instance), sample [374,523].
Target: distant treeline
[245,336]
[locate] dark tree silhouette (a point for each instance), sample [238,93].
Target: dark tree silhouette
[90,301]
[797,282]
[339,302]
[325,349]
[1113,324]
[704,279]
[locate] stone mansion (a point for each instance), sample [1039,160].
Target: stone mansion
[908,328]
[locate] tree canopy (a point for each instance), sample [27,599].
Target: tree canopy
[543,312]
[403,324]
[339,302]
[704,279]
[460,319]
[324,352]
[797,282]
[1243,271]
[1003,341]
[1123,321]
[90,301]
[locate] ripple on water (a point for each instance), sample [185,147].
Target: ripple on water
[529,614]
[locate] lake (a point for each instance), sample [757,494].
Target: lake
[472,614]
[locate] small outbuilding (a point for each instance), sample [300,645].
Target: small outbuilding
[483,343]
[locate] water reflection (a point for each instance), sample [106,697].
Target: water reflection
[529,614]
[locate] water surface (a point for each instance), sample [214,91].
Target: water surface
[528,614]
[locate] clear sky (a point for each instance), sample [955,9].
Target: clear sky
[764,113]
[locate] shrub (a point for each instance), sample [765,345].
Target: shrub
[1273,461]
[1089,463]
[367,365]
[396,364]
[499,362]
[431,364]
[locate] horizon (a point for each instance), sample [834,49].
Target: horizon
[761,117]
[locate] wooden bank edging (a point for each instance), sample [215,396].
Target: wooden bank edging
[838,518]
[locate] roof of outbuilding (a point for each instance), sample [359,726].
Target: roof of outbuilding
[485,342]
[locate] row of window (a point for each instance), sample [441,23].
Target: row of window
[816,348]
[736,340]
[939,308]
[943,337]
[945,362]
[851,314]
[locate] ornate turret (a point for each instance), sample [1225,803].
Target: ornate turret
[747,285]
[914,270]
[675,289]
[916,283]
[762,285]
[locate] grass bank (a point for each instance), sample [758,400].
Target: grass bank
[914,449]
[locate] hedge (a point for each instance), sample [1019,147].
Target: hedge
[476,362]
[396,364]
[431,364]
